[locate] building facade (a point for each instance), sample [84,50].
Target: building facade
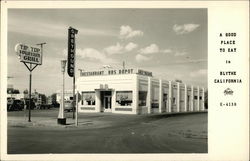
[134,91]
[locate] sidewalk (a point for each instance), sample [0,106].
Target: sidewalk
[48,118]
[52,122]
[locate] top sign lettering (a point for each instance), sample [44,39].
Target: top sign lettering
[71,51]
[29,54]
[116,72]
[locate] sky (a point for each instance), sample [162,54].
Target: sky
[171,43]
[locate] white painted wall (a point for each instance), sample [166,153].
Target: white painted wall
[134,83]
[126,82]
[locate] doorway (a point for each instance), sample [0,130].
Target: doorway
[106,101]
[188,103]
[165,102]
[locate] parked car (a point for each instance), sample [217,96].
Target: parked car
[68,105]
[14,105]
[55,105]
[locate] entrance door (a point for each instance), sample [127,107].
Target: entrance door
[165,102]
[106,100]
[188,103]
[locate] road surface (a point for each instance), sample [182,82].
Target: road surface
[107,133]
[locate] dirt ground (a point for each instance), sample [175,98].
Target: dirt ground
[106,133]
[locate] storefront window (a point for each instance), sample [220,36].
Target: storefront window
[165,97]
[155,97]
[155,104]
[124,98]
[174,100]
[88,98]
[142,98]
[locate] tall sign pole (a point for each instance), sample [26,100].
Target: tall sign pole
[29,55]
[71,60]
[77,99]
[30,91]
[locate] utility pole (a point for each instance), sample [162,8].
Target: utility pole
[123,64]
[41,44]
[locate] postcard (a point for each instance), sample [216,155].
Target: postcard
[125,80]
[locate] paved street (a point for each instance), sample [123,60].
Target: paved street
[106,133]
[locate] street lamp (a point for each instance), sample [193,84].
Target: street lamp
[61,119]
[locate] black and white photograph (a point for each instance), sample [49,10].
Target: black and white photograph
[124,80]
[107,81]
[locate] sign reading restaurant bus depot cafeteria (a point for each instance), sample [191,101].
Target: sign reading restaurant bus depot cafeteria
[116,72]
[29,54]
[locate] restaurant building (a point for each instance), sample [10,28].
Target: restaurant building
[135,91]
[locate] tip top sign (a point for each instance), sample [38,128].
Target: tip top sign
[29,54]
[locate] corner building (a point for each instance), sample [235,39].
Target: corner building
[134,91]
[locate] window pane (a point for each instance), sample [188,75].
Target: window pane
[165,97]
[88,98]
[155,97]
[174,101]
[142,98]
[124,98]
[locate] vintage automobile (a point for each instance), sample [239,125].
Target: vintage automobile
[14,105]
[68,105]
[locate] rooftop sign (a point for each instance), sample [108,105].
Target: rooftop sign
[29,54]
[116,72]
